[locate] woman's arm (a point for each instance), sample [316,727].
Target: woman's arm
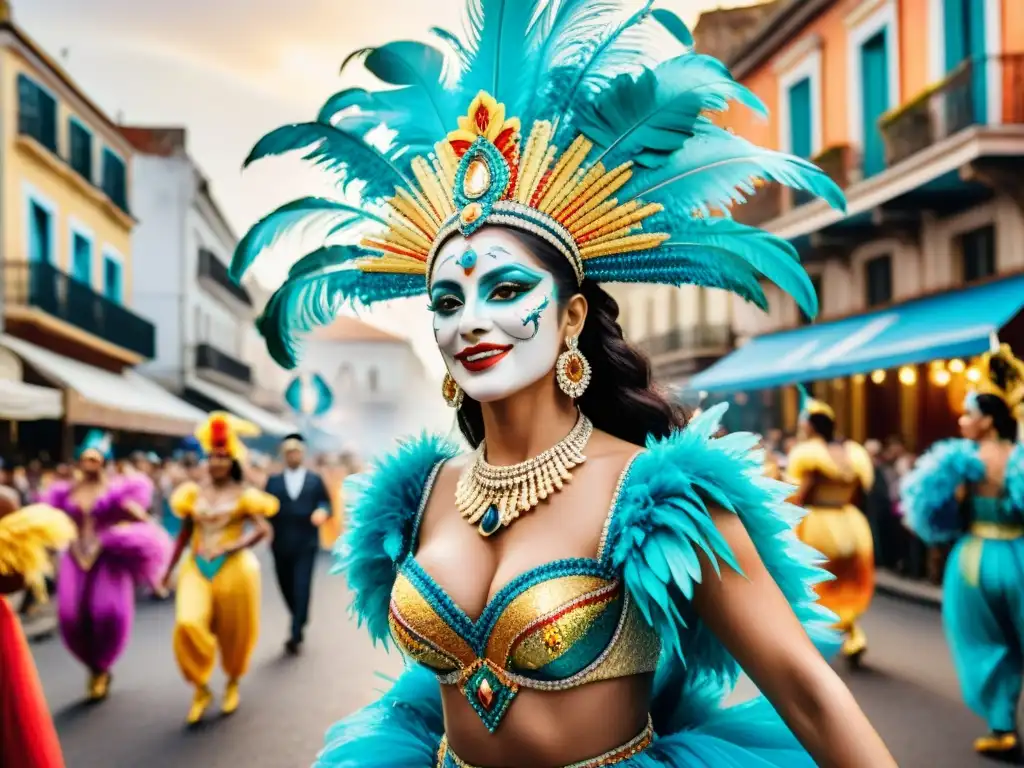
[259,530]
[754,621]
[136,512]
[803,491]
[179,546]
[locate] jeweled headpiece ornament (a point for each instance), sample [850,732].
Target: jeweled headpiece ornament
[222,433]
[623,169]
[810,406]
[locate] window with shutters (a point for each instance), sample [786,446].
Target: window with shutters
[80,148]
[37,112]
[114,180]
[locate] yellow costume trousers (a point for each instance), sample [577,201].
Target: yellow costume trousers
[843,535]
[222,612]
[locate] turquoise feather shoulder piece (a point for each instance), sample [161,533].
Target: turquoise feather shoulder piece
[1015,477]
[928,494]
[382,506]
[662,523]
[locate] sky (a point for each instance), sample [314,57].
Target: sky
[232,70]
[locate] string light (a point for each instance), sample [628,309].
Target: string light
[908,376]
[956,366]
[941,378]
[973,375]
[859,379]
[878,376]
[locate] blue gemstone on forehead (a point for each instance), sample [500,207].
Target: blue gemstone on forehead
[467,260]
[491,521]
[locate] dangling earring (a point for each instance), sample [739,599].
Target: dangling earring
[451,391]
[572,369]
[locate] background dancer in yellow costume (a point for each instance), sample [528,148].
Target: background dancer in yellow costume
[832,477]
[218,598]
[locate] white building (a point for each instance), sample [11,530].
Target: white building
[206,346]
[381,390]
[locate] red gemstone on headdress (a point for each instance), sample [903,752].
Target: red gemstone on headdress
[482,118]
[219,433]
[485,694]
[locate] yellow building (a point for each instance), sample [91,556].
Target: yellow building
[66,250]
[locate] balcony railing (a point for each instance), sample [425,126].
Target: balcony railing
[957,103]
[699,337]
[210,267]
[210,358]
[42,286]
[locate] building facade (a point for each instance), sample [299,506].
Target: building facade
[68,270]
[378,384]
[204,347]
[916,109]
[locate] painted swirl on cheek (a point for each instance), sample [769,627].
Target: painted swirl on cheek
[534,315]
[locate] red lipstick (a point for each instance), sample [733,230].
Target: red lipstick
[483,356]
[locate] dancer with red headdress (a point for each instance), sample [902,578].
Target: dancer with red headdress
[27,735]
[218,595]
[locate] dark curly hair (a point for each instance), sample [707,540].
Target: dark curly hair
[620,399]
[1003,375]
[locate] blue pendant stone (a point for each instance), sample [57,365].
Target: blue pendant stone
[491,521]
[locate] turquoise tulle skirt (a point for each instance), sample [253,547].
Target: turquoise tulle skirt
[403,729]
[983,612]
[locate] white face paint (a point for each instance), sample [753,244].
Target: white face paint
[495,314]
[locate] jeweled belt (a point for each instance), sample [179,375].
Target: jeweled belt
[997,531]
[448,759]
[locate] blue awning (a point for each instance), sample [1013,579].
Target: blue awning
[956,324]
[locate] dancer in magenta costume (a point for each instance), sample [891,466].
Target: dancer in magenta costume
[118,547]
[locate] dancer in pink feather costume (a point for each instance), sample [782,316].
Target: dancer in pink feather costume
[118,547]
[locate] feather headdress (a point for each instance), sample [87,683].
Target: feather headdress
[810,406]
[557,117]
[222,433]
[1002,375]
[99,442]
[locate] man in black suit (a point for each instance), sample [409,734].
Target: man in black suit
[304,508]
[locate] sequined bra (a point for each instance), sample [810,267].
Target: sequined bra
[557,626]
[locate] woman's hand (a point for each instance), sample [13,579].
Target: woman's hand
[753,619]
[319,517]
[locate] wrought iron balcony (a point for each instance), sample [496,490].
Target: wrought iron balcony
[957,103]
[211,359]
[43,287]
[697,339]
[211,268]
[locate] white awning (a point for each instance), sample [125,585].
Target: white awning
[26,402]
[101,398]
[241,407]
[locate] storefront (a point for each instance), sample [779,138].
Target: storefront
[900,371]
[124,402]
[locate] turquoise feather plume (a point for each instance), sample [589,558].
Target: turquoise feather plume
[298,214]
[309,395]
[318,286]
[715,170]
[928,494]
[661,530]
[336,150]
[644,119]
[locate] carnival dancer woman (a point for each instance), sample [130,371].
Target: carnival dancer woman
[551,584]
[971,492]
[27,736]
[832,477]
[118,547]
[218,592]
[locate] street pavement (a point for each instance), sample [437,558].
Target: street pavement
[907,688]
